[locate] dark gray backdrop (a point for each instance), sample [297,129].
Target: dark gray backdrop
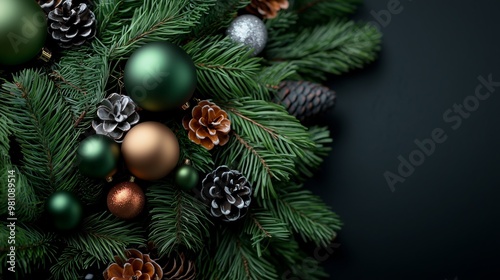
[442,222]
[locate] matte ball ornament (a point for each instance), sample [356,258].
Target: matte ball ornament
[65,210]
[126,200]
[97,156]
[186,177]
[160,76]
[150,150]
[250,31]
[23,30]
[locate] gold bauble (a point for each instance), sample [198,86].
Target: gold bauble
[150,150]
[126,200]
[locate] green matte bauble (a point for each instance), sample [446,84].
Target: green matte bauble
[97,156]
[186,177]
[23,30]
[65,210]
[160,76]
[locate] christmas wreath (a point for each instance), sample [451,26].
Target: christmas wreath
[166,139]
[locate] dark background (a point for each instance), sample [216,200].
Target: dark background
[443,221]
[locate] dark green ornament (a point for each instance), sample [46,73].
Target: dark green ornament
[160,76]
[97,156]
[23,30]
[65,210]
[186,177]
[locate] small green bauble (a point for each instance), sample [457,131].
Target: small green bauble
[160,76]
[23,30]
[186,177]
[65,210]
[97,156]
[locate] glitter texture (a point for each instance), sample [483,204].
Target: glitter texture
[250,31]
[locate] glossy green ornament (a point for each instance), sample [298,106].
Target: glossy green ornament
[160,76]
[65,209]
[97,156]
[23,30]
[186,177]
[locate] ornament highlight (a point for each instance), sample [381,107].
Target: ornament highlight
[250,31]
[65,210]
[97,156]
[126,200]
[23,30]
[186,176]
[160,76]
[150,150]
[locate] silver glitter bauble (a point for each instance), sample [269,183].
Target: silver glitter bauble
[250,31]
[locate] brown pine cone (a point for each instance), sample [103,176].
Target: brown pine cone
[48,5]
[267,8]
[138,266]
[179,268]
[209,125]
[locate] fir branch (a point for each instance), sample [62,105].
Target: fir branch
[177,218]
[71,263]
[263,227]
[313,157]
[313,12]
[27,205]
[200,158]
[336,48]
[271,76]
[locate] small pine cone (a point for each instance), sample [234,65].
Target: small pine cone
[48,5]
[209,125]
[228,192]
[117,114]
[267,8]
[138,266]
[178,268]
[71,24]
[304,99]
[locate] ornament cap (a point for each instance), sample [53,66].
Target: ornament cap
[45,55]
[109,179]
[185,106]
[132,179]
[187,161]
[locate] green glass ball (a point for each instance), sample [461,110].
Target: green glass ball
[97,156]
[23,30]
[186,177]
[160,76]
[65,210]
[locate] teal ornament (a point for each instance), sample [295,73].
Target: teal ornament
[97,156]
[186,177]
[160,76]
[65,210]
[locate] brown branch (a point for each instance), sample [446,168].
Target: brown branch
[250,148]
[153,28]
[245,262]
[80,118]
[267,129]
[58,76]
[260,227]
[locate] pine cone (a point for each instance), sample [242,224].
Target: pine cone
[48,5]
[117,114]
[267,8]
[179,268]
[209,125]
[304,99]
[71,24]
[228,192]
[138,266]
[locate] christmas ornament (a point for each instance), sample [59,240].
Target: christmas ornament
[72,23]
[137,266]
[97,156]
[48,5]
[178,268]
[150,150]
[250,31]
[186,176]
[126,200]
[160,76]
[209,125]
[23,30]
[65,210]
[117,114]
[304,99]
[228,192]
[267,8]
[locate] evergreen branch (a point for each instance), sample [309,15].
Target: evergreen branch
[263,227]
[177,218]
[270,78]
[313,157]
[27,205]
[103,235]
[200,158]
[71,263]
[255,153]
[313,12]
[336,47]
[218,16]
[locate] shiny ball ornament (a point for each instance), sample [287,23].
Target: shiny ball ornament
[160,76]
[64,209]
[23,30]
[97,156]
[126,200]
[186,177]
[150,150]
[250,31]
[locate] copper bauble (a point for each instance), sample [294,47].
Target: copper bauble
[126,200]
[150,150]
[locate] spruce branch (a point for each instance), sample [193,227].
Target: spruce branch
[200,158]
[313,157]
[218,16]
[71,264]
[313,12]
[29,206]
[263,227]
[270,77]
